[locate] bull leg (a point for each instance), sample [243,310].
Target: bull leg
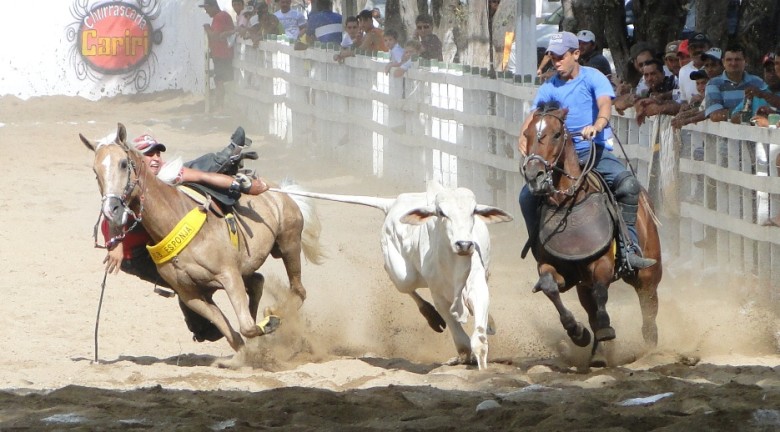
[547,284]
[459,336]
[478,301]
[435,321]
[212,313]
[254,288]
[236,292]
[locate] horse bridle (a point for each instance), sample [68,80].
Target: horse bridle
[127,211]
[549,167]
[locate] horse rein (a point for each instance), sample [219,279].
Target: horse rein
[550,167]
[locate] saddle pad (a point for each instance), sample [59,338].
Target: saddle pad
[219,196]
[577,232]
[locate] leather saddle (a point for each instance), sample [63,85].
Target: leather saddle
[579,231]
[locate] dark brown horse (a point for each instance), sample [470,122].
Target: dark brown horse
[268,224]
[576,245]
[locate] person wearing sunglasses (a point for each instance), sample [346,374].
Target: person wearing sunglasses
[431,44]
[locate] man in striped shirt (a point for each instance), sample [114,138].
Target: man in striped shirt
[727,90]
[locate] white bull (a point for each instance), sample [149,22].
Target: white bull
[428,240]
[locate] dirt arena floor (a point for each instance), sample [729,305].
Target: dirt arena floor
[357,355]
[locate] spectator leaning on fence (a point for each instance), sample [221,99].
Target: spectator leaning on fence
[351,39]
[726,91]
[697,44]
[693,111]
[293,21]
[659,99]
[767,101]
[395,49]
[324,25]
[431,44]
[267,24]
[412,50]
[671,61]
[373,39]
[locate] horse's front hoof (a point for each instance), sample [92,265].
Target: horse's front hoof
[605,334]
[583,339]
[269,324]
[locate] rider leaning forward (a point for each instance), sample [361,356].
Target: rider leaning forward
[128,252]
[588,95]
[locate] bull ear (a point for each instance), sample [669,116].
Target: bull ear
[492,214]
[87,142]
[418,216]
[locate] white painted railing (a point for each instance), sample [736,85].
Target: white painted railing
[453,124]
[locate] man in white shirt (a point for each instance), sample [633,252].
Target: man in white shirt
[698,43]
[294,22]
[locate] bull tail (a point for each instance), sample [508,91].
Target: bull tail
[383,204]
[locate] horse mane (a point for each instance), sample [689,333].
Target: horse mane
[549,106]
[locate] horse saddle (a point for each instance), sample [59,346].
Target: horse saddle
[225,200]
[579,231]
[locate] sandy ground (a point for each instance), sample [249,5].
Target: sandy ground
[357,356]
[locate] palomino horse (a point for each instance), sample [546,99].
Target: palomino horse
[576,241]
[270,223]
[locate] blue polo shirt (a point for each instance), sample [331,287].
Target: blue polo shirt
[721,92]
[325,26]
[579,96]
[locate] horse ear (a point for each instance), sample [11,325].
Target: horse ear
[87,142]
[565,113]
[121,134]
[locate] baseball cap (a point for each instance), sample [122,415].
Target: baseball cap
[147,144]
[209,3]
[586,36]
[562,42]
[699,38]
[671,49]
[712,53]
[698,74]
[768,58]
[683,48]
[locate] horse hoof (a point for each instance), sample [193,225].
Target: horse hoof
[583,339]
[605,334]
[598,363]
[269,324]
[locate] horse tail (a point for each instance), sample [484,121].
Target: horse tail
[310,237]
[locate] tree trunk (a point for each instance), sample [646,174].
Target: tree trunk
[478,50]
[614,35]
[758,30]
[450,28]
[659,22]
[400,16]
[503,22]
[711,20]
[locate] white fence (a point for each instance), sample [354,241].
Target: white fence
[454,124]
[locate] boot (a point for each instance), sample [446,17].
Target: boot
[636,260]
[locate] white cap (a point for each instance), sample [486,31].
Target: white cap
[586,36]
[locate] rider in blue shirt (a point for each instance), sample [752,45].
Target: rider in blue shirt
[588,95]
